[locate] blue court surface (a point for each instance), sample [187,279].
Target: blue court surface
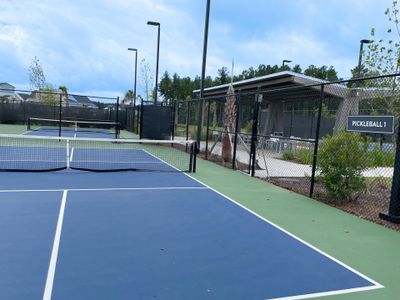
[72,132]
[150,235]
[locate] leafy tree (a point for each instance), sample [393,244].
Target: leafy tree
[177,87]
[223,76]
[165,87]
[49,95]
[37,78]
[297,69]
[383,57]
[146,78]
[324,72]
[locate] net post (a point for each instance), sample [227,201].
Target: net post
[67,154]
[195,157]
[29,124]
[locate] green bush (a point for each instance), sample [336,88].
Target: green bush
[305,156]
[341,161]
[301,156]
[288,155]
[378,158]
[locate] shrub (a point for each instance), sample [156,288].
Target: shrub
[341,161]
[288,155]
[378,158]
[304,156]
[301,156]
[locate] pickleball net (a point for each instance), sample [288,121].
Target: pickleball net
[38,153]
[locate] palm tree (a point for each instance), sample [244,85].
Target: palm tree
[128,97]
[64,92]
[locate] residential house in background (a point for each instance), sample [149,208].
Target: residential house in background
[8,94]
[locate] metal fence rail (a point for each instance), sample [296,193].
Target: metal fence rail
[298,138]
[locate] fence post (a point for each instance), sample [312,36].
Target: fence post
[236,130]
[394,207]
[253,156]
[174,113]
[208,126]
[117,119]
[187,119]
[141,120]
[314,164]
[137,115]
[200,122]
[60,116]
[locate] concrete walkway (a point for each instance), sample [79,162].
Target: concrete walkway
[271,166]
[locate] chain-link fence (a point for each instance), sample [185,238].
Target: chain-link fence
[18,106]
[333,141]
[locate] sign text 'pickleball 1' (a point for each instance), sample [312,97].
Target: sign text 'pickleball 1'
[372,124]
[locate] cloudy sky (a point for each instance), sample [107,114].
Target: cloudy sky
[83,44]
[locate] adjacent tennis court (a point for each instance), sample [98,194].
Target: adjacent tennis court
[154,234]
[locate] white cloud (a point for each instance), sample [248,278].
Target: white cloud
[82,44]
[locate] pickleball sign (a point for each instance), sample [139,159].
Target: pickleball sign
[372,124]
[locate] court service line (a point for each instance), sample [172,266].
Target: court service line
[54,253]
[375,284]
[108,189]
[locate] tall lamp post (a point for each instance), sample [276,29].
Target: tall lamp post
[152,23]
[134,85]
[203,74]
[285,61]
[362,42]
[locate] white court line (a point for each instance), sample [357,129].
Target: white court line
[375,285]
[72,154]
[54,253]
[109,189]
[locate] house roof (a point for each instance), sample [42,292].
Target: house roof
[5,85]
[77,100]
[278,79]
[24,96]
[278,82]
[83,100]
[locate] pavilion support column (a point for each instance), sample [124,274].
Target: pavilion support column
[349,105]
[275,122]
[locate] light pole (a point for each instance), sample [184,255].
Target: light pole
[362,42]
[203,75]
[134,86]
[152,23]
[285,61]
